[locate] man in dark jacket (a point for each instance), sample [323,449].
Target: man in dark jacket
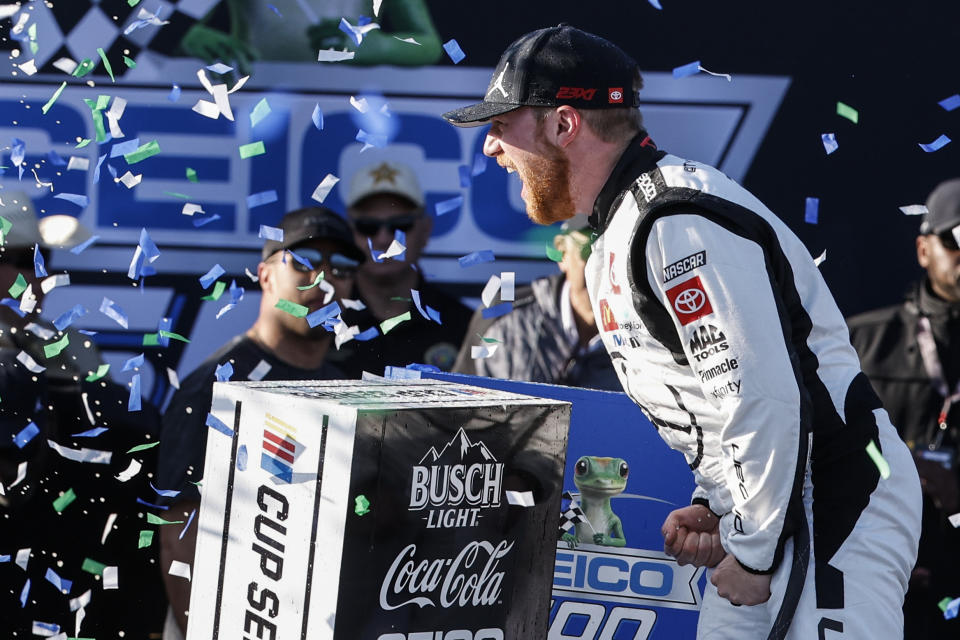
[911,353]
[550,335]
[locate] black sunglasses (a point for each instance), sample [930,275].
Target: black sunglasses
[340,265]
[950,238]
[371,226]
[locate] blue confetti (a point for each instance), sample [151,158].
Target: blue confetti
[56,160]
[216,423]
[374,255]
[151,505]
[166,493]
[25,593]
[110,309]
[67,318]
[17,152]
[372,139]
[90,433]
[150,250]
[242,458]
[363,21]
[348,29]
[323,314]
[274,9]
[77,199]
[193,514]
[454,51]
[13,304]
[830,143]
[132,363]
[477,257]
[271,233]
[937,144]
[224,372]
[465,177]
[952,609]
[260,199]
[497,310]
[951,103]
[479,164]
[317,118]
[124,148]
[812,210]
[165,324]
[446,206]
[63,585]
[133,402]
[26,434]
[416,301]
[655,4]
[96,171]
[77,250]
[174,93]
[87,332]
[39,268]
[210,277]
[300,259]
[690,69]
[199,221]
[368,334]
[4,558]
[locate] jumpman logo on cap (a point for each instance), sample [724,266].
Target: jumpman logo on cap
[499,83]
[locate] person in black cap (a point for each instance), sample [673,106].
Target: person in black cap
[722,329]
[279,346]
[911,353]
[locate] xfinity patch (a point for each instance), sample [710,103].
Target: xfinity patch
[684,265]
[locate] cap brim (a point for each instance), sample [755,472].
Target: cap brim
[478,114]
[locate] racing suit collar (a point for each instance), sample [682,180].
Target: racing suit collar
[640,156]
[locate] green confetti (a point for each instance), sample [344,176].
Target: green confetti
[144,447]
[294,309]
[488,340]
[101,371]
[943,604]
[191,174]
[5,226]
[848,112]
[390,323]
[85,67]
[54,349]
[106,63]
[174,194]
[92,566]
[53,98]
[146,539]
[252,149]
[151,340]
[19,286]
[96,112]
[261,111]
[129,62]
[361,505]
[133,3]
[401,299]
[171,334]
[553,253]
[878,460]
[83,143]
[315,283]
[152,519]
[64,500]
[143,152]
[218,288]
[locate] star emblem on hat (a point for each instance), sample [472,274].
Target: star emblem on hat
[384,173]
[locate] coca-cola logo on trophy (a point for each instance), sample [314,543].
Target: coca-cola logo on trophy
[456,484]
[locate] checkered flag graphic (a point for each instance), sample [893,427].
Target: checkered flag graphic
[574,515]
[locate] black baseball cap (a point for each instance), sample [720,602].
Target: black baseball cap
[943,208]
[554,66]
[313,223]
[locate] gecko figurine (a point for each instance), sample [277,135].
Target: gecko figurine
[598,480]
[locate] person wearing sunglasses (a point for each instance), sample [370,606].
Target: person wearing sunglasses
[911,353]
[386,204]
[279,346]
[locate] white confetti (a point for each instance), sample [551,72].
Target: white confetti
[23,557]
[7,10]
[189,209]
[94,456]
[913,210]
[45,629]
[54,281]
[29,67]
[250,275]
[263,368]
[80,601]
[376,7]
[66,65]
[955,520]
[110,578]
[86,405]
[81,614]
[490,290]
[330,55]
[24,358]
[820,259]
[508,281]
[132,469]
[129,180]
[483,351]
[520,498]
[28,301]
[207,109]
[180,569]
[356,305]
[21,474]
[395,249]
[323,189]
[408,40]
[76,163]
[40,331]
[360,105]
[172,377]
[108,527]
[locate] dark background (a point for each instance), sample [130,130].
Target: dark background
[891,61]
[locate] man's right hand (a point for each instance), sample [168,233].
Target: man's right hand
[692,536]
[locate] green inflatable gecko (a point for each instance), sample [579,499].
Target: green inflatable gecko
[598,480]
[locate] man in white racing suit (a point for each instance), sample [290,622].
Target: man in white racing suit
[723,331]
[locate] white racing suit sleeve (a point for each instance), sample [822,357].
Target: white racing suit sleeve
[729,317]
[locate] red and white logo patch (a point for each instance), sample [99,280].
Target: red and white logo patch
[615,95]
[607,319]
[689,300]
